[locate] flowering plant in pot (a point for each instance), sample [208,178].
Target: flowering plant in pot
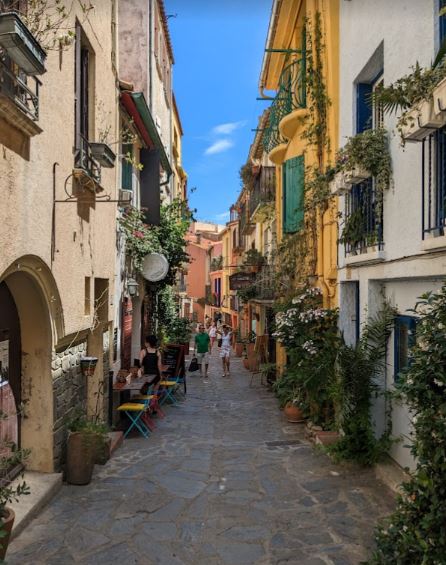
[291,397]
[9,492]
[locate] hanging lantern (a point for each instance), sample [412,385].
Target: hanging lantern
[88,365]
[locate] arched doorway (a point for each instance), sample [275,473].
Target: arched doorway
[10,372]
[31,305]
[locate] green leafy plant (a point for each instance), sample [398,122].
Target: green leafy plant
[253,257]
[416,531]
[217,263]
[288,389]
[247,176]
[358,370]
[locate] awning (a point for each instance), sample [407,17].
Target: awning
[136,105]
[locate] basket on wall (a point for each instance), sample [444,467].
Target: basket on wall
[88,365]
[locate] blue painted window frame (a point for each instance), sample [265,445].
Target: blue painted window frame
[408,325]
[442,21]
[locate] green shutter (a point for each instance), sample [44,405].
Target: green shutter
[293,194]
[127,167]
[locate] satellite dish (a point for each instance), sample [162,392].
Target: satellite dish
[154,267]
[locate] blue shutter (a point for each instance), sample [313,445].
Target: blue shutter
[442,22]
[363,107]
[293,194]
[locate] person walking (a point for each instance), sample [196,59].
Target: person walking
[213,334]
[225,351]
[201,350]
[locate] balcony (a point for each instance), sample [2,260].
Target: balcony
[246,226]
[216,263]
[265,284]
[291,96]
[19,97]
[363,229]
[87,170]
[264,191]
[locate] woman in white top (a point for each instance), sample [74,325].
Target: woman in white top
[213,334]
[225,351]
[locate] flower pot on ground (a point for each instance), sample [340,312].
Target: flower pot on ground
[239,349]
[293,413]
[9,493]
[246,363]
[325,437]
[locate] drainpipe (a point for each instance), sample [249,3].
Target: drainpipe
[151,54]
[53,217]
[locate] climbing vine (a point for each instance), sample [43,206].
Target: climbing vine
[416,531]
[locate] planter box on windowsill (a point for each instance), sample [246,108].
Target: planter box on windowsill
[439,96]
[103,154]
[356,175]
[368,258]
[338,185]
[421,122]
[20,44]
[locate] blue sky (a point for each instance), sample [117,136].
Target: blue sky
[218,48]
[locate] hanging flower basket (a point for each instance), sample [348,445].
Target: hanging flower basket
[88,365]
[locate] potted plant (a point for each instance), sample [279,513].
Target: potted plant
[9,493]
[86,444]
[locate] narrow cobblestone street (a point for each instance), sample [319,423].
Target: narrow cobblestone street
[223,480]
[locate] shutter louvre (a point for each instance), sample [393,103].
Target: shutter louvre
[293,194]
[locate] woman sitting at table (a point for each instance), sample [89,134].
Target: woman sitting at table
[150,363]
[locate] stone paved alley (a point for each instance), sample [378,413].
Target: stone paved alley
[223,480]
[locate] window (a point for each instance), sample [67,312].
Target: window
[363,226]
[433,184]
[442,22]
[84,101]
[293,194]
[127,168]
[367,114]
[404,340]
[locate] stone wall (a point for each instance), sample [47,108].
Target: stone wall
[70,393]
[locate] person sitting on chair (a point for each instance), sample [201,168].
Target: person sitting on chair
[150,362]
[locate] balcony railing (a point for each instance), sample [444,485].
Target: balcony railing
[265,283]
[264,189]
[364,219]
[84,160]
[291,96]
[17,87]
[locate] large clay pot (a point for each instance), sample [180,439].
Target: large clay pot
[80,458]
[250,348]
[293,413]
[101,449]
[246,363]
[7,523]
[239,349]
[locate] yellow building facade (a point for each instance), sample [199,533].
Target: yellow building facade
[301,68]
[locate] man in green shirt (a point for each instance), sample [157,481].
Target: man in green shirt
[201,350]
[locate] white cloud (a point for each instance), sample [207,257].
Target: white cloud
[223,216]
[219,146]
[227,129]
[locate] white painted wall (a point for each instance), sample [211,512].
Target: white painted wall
[408,31]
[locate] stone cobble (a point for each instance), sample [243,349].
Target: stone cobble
[223,480]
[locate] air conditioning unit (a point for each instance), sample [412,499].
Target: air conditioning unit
[125,196]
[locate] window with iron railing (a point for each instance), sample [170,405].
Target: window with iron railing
[434,184]
[22,89]
[264,188]
[363,226]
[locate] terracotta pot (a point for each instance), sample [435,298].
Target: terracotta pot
[80,458]
[326,437]
[250,348]
[239,349]
[8,522]
[246,363]
[293,413]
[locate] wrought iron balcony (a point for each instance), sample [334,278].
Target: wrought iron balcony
[84,160]
[264,189]
[291,96]
[363,227]
[265,283]
[21,89]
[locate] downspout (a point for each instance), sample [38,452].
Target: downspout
[53,218]
[151,54]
